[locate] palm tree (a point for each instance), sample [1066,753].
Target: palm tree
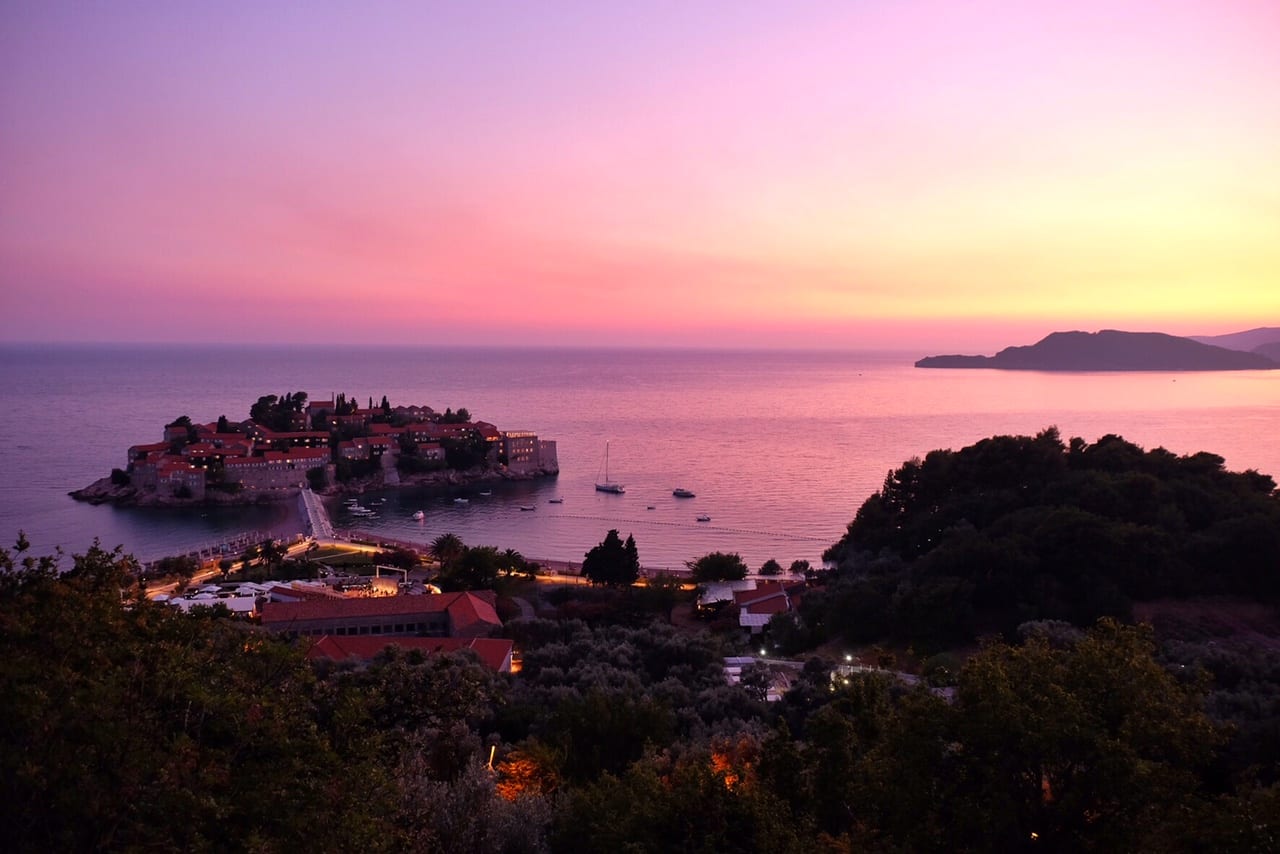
[511,561]
[447,548]
[272,552]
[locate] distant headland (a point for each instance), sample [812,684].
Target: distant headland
[1112,350]
[330,445]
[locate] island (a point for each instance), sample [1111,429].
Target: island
[1111,350]
[332,446]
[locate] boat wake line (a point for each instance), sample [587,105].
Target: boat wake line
[702,527]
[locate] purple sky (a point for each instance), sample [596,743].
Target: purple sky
[803,174]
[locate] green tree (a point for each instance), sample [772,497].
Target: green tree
[718,566]
[447,548]
[466,453]
[612,562]
[272,552]
[799,567]
[182,566]
[511,562]
[770,567]
[317,478]
[660,593]
[130,726]
[476,568]
[1093,747]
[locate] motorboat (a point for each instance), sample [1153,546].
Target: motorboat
[555,500]
[461,501]
[527,507]
[419,516]
[682,493]
[486,493]
[704,518]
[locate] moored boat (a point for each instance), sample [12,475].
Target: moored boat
[607,485]
[680,492]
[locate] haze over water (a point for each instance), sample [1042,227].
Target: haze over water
[780,447]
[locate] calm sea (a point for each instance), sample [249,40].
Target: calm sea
[781,448]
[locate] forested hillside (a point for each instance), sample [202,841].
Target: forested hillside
[1019,528]
[127,725]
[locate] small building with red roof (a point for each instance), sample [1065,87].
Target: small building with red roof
[469,614]
[757,607]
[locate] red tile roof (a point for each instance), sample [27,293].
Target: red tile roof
[290,593]
[766,590]
[773,605]
[468,611]
[495,653]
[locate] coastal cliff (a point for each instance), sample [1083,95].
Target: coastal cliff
[1110,350]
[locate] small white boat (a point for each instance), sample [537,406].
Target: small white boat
[527,507]
[486,493]
[704,518]
[362,511]
[555,500]
[461,501]
[419,516]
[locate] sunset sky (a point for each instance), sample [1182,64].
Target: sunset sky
[940,175]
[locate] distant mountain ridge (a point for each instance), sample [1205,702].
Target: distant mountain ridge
[1111,350]
[1249,341]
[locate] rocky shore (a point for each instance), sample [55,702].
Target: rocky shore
[105,491]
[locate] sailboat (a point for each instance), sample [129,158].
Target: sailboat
[607,485]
